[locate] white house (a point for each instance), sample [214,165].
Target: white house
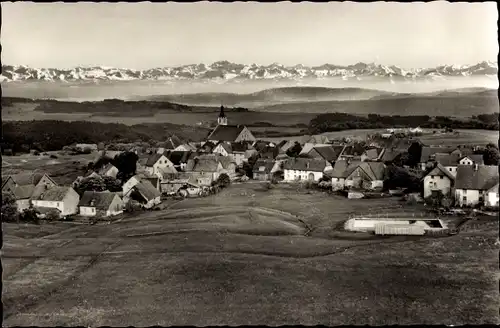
[102,204]
[491,199]
[473,183]
[64,199]
[185,147]
[108,170]
[223,148]
[305,169]
[365,175]
[127,186]
[155,163]
[439,179]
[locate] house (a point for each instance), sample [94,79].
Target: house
[155,163]
[340,173]
[82,147]
[328,153]
[185,147]
[205,170]
[223,148]
[452,160]
[179,159]
[108,170]
[228,165]
[102,204]
[428,153]
[64,199]
[262,169]
[129,185]
[187,183]
[297,169]
[471,159]
[440,178]
[491,198]
[23,195]
[241,152]
[473,183]
[230,133]
[365,175]
[372,154]
[145,193]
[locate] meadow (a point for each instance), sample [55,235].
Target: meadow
[242,257]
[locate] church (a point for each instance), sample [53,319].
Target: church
[229,133]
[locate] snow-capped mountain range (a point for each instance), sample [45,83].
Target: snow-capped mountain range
[225,71]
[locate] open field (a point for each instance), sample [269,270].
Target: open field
[472,137]
[243,257]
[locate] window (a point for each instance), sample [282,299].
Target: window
[451,169]
[441,177]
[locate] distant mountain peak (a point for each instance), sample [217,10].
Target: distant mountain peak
[225,70]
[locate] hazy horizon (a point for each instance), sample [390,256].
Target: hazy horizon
[148,35]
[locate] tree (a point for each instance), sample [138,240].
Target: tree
[398,177]
[491,155]
[90,184]
[223,180]
[126,163]
[414,153]
[53,214]
[295,150]
[112,184]
[9,207]
[30,215]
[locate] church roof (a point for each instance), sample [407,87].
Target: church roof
[226,132]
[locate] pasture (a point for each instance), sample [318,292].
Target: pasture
[243,257]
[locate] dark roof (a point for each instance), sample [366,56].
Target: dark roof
[353,150]
[305,164]
[154,181]
[226,132]
[23,192]
[179,157]
[428,151]
[23,179]
[329,153]
[373,153]
[54,194]
[172,142]
[102,200]
[446,159]
[440,170]
[263,166]
[484,178]
[147,190]
[391,154]
[152,159]
[239,146]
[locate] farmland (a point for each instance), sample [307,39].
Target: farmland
[243,257]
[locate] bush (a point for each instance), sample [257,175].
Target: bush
[53,214]
[223,181]
[30,215]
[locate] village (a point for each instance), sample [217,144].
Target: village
[391,164]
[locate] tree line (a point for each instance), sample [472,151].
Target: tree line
[342,121]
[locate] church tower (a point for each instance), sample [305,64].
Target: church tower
[222,119]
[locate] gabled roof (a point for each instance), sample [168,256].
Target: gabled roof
[476,158]
[305,164]
[102,200]
[428,151]
[23,179]
[484,178]
[390,154]
[329,153]
[172,142]
[339,169]
[55,194]
[446,159]
[152,159]
[373,153]
[440,170]
[374,170]
[263,166]
[154,181]
[309,146]
[225,146]
[23,192]
[226,132]
[494,188]
[147,190]
[179,157]
[205,165]
[225,161]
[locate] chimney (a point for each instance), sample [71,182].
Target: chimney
[476,167]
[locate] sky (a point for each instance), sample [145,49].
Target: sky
[147,35]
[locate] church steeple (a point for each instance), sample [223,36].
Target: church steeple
[222,119]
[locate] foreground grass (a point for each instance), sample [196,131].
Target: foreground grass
[209,267]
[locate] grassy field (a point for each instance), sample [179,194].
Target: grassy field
[472,137]
[241,258]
